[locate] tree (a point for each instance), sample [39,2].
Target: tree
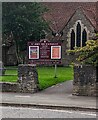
[87,54]
[22,21]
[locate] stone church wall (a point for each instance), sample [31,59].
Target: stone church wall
[9,55]
[85,23]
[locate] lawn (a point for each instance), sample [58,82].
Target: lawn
[47,79]
[45,76]
[10,75]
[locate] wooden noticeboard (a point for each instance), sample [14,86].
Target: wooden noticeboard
[44,52]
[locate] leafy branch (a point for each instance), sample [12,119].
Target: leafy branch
[87,54]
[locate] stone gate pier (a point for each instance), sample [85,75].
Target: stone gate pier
[85,80]
[28,78]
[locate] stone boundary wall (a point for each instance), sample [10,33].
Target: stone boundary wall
[9,87]
[85,81]
[27,80]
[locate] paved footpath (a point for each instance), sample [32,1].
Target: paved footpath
[58,96]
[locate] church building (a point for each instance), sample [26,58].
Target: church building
[73,23]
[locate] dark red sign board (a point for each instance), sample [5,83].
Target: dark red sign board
[42,52]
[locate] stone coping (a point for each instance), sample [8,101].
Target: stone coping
[26,65]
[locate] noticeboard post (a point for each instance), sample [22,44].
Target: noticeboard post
[55,54]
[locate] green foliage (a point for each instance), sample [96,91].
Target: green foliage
[87,54]
[22,21]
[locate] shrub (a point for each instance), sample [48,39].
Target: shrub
[87,54]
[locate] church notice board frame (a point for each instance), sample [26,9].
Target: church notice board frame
[44,52]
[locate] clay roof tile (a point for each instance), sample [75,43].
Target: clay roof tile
[60,12]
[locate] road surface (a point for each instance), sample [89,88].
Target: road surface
[25,112]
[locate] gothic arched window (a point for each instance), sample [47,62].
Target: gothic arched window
[84,37]
[78,35]
[72,40]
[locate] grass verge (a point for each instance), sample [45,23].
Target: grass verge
[46,76]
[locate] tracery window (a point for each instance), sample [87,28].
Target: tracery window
[84,38]
[72,40]
[78,35]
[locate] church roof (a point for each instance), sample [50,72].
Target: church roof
[61,12]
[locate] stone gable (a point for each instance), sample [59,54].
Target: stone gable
[85,23]
[59,13]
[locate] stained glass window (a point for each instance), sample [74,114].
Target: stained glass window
[72,40]
[78,35]
[84,37]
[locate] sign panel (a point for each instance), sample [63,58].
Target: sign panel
[55,52]
[44,52]
[33,52]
